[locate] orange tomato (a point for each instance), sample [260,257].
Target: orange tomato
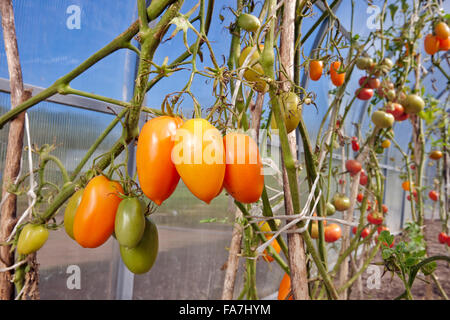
[315,69]
[444,45]
[336,78]
[406,185]
[431,44]
[275,245]
[199,157]
[95,216]
[157,174]
[243,164]
[442,30]
[436,155]
[285,288]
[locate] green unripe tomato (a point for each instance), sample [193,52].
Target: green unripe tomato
[129,224]
[32,237]
[414,104]
[141,258]
[383,119]
[71,209]
[330,209]
[248,22]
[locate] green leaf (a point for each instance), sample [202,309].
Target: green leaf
[387,253]
[392,10]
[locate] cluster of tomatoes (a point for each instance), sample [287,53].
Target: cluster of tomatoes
[439,40]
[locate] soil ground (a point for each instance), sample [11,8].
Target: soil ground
[392,287]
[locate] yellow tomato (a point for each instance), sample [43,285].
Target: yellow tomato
[386,144]
[199,157]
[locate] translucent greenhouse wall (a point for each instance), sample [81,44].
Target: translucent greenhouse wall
[191,254]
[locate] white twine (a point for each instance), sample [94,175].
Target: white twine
[31,194]
[18,264]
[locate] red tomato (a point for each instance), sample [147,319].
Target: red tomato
[442,237]
[96,214]
[433,195]
[396,109]
[364,93]
[332,232]
[364,82]
[355,146]
[199,157]
[402,117]
[336,78]
[365,232]
[157,174]
[363,179]
[353,166]
[385,208]
[243,165]
[375,218]
[360,197]
[374,83]
[315,69]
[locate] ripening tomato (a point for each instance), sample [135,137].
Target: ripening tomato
[243,164]
[353,166]
[315,69]
[431,44]
[157,174]
[31,238]
[433,195]
[95,216]
[444,45]
[364,93]
[248,22]
[384,208]
[374,83]
[255,75]
[382,119]
[141,258]
[442,237]
[341,202]
[199,158]
[364,63]
[396,109]
[332,232]
[336,78]
[71,209]
[375,218]
[285,288]
[442,30]
[129,224]
[436,155]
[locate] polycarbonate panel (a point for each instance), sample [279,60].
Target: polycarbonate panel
[72,131]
